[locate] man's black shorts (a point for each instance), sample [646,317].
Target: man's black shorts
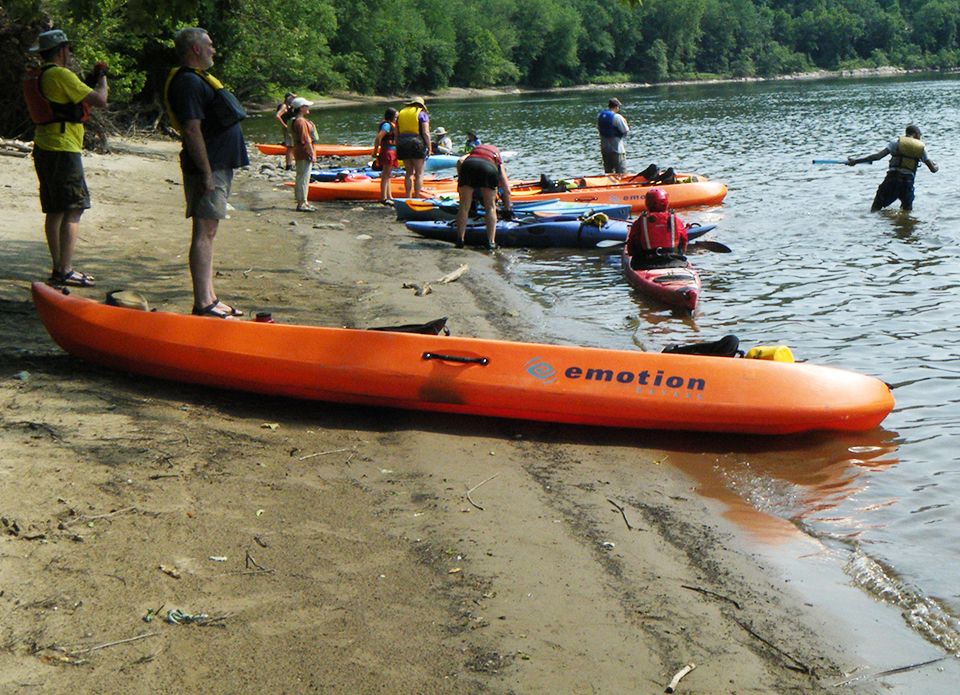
[62,184]
[411,147]
[894,186]
[479,173]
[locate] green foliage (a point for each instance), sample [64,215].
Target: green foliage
[658,68]
[265,47]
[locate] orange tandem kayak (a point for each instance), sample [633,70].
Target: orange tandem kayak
[590,386]
[324,150]
[604,189]
[369,189]
[690,190]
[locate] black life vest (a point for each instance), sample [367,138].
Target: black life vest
[389,138]
[225,109]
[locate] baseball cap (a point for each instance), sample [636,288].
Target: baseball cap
[300,101]
[613,102]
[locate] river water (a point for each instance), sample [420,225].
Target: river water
[811,267]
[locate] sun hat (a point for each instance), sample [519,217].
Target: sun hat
[49,40]
[440,131]
[419,101]
[127,299]
[300,101]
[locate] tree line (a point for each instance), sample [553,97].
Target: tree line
[401,46]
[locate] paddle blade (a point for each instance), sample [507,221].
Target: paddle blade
[714,246]
[609,243]
[697,230]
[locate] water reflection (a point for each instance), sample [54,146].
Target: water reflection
[773,488]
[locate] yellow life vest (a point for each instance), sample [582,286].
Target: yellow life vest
[226,109]
[408,120]
[908,154]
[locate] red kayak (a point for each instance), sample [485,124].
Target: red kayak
[677,287]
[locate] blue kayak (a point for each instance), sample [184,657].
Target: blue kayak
[551,232]
[443,209]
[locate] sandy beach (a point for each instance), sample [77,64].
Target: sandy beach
[334,549]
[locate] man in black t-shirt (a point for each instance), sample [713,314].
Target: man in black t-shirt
[212,148]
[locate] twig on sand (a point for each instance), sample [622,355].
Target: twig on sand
[799,665]
[454,275]
[890,672]
[623,513]
[680,674]
[712,593]
[470,500]
[250,560]
[420,288]
[83,518]
[324,453]
[87,650]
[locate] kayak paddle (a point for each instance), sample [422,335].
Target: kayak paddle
[693,231]
[836,161]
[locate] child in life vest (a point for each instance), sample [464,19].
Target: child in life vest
[658,238]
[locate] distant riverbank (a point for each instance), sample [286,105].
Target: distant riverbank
[348,99]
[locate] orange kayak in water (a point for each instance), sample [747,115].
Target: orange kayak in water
[630,189]
[365,188]
[623,189]
[324,150]
[467,376]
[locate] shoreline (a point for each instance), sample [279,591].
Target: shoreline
[449,93]
[377,560]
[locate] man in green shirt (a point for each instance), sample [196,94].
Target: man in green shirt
[57,151]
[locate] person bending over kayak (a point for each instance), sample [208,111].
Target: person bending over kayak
[658,238]
[482,169]
[906,153]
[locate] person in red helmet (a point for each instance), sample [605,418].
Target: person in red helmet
[658,237]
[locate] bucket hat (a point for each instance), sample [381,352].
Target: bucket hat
[49,40]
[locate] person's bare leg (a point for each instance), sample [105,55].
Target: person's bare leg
[201,261]
[466,197]
[62,230]
[490,210]
[407,178]
[51,228]
[418,177]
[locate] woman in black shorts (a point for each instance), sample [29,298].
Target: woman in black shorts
[482,169]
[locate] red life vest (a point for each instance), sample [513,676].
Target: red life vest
[657,233]
[488,152]
[42,110]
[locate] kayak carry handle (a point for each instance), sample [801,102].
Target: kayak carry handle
[483,361]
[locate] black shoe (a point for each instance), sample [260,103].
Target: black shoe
[459,244]
[492,247]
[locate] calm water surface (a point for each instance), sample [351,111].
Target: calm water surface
[811,268]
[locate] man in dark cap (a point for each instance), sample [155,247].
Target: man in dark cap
[59,104]
[613,128]
[906,153]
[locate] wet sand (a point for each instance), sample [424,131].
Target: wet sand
[583,561]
